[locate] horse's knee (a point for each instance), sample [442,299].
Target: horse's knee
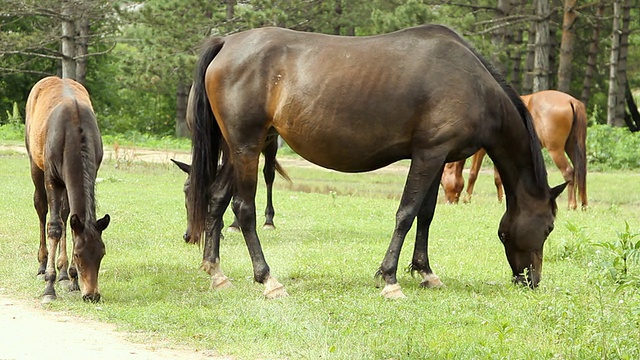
[54,230]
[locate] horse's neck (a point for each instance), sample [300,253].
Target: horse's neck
[81,191]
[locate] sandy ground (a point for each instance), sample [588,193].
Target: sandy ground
[27,331]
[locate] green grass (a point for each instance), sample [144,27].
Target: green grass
[332,232]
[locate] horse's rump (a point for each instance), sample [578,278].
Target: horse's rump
[52,103]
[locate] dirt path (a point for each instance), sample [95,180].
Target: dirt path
[28,331]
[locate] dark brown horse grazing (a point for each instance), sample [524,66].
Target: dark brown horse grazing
[65,151]
[560,121]
[271,166]
[356,104]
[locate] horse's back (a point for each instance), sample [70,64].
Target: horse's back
[55,103]
[553,115]
[390,84]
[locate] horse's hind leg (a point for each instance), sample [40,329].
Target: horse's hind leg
[220,197]
[245,175]
[420,261]
[42,207]
[561,161]
[269,172]
[474,170]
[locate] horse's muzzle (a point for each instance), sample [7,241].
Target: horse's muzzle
[526,281]
[94,298]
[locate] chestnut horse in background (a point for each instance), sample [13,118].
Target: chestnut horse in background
[560,121]
[65,151]
[356,104]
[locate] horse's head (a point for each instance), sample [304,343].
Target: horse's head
[88,251]
[188,236]
[452,181]
[523,231]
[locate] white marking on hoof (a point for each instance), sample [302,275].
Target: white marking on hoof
[392,292]
[269,227]
[46,299]
[233,229]
[40,277]
[431,281]
[219,282]
[273,289]
[218,279]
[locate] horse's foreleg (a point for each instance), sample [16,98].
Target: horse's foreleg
[476,164]
[497,181]
[244,206]
[422,178]
[220,197]
[566,169]
[63,259]
[420,261]
[54,234]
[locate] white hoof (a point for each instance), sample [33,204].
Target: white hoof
[431,281]
[273,289]
[392,292]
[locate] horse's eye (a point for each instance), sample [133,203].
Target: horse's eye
[503,237]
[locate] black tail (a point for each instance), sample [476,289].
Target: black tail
[205,140]
[577,137]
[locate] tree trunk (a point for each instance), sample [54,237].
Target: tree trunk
[230,9]
[82,48]
[592,57]
[68,47]
[613,67]
[181,110]
[566,47]
[527,83]
[621,76]
[541,60]
[516,60]
[499,37]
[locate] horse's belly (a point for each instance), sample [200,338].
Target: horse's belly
[348,154]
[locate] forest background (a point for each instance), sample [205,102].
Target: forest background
[137,57]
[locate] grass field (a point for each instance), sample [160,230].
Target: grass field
[332,232]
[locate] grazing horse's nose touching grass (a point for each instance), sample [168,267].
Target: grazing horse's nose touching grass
[94,298]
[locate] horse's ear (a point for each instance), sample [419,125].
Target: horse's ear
[103,223]
[184,167]
[556,191]
[76,225]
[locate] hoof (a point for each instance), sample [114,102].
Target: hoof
[392,292]
[220,283]
[73,286]
[233,229]
[276,293]
[273,289]
[46,299]
[65,283]
[431,281]
[269,227]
